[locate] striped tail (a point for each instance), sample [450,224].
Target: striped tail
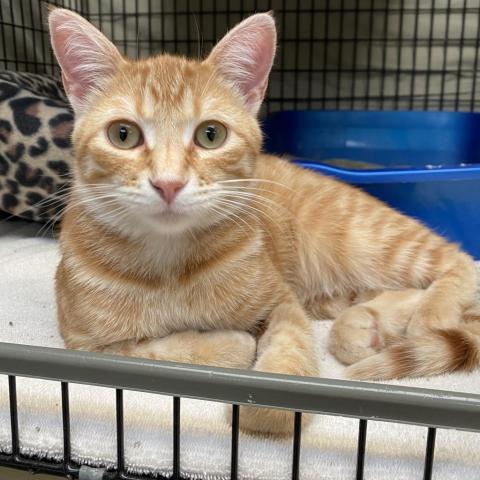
[442,351]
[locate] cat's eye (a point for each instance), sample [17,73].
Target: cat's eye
[124,135]
[210,134]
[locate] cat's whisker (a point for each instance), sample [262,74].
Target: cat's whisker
[46,201]
[59,175]
[138,33]
[264,215]
[54,219]
[90,187]
[251,180]
[82,201]
[232,216]
[207,84]
[254,188]
[86,202]
[250,216]
[114,214]
[40,203]
[192,234]
[48,227]
[258,180]
[256,213]
[94,198]
[110,214]
[258,199]
[251,212]
[246,204]
[251,194]
[235,188]
[60,197]
[199,45]
[50,224]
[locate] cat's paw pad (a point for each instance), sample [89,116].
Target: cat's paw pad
[355,337]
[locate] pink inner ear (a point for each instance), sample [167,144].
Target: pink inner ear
[86,56]
[245,57]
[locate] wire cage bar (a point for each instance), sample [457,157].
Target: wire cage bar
[67,449]
[297,437]
[345,54]
[235,437]
[362,438]
[429,454]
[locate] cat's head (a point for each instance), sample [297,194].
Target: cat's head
[162,143]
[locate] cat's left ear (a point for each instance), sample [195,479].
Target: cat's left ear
[245,56]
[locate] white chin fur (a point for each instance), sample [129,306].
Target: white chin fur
[140,221]
[146,214]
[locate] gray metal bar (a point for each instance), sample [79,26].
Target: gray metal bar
[235,437]
[429,454]
[176,438]
[67,447]
[432,408]
[12,391]
[120,433]
[362,437]
[297,438]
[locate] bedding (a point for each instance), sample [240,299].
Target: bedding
[27,315]
[36,122]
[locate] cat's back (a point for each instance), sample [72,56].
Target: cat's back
[342,235]
[311,196]
[297,186]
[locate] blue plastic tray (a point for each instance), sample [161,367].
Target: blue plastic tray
[425,164]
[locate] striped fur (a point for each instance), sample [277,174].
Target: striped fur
[441,351]
[252,247]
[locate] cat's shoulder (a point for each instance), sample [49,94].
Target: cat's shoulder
[286,170]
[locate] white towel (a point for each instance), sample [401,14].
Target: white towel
[27,315]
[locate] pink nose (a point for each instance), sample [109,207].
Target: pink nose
[167,189]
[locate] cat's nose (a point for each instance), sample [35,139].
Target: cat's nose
[167,189]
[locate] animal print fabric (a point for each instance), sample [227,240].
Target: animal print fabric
[36,122]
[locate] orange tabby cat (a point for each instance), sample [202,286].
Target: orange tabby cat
[182,241]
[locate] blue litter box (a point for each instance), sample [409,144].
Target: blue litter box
[425,164]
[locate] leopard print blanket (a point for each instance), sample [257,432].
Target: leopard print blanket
[35,148]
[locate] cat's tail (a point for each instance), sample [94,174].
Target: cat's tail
[441,351]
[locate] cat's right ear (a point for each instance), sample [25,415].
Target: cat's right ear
[87,58]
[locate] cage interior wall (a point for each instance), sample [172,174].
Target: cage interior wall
[333,54]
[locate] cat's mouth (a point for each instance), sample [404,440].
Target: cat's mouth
[170,213]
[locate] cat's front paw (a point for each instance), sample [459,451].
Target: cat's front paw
[219,348]
[266,420]
[235,349]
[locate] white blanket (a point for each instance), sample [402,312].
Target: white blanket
[27,315]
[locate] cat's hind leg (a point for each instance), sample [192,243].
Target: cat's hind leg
[448,296]
[432,351]
[223,348]
[365,329]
